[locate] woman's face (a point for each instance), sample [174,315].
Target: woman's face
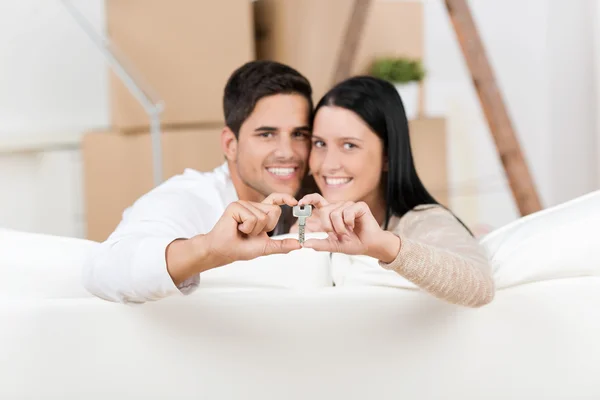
[346,159]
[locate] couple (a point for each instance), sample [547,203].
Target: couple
[356,146]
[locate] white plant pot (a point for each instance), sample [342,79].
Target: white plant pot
[409,92]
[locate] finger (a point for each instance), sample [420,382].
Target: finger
[243,216]
[337,219]
[281,246]
[315,199]
[317,244]
[349,215]
[280,199]
[313,225]
[362,209]
[262,218]
[331,244]
[353,212]
[325,219]
[273,212]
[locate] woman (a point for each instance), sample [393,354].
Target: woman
[373,202]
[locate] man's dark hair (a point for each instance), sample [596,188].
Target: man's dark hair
[255,80]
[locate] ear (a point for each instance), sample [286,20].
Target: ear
[229,144]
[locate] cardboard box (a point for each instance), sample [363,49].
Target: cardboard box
[308,35]
[118,169]
[429,147]
[184,49]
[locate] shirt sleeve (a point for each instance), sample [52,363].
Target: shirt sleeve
[440,256]
[130,266]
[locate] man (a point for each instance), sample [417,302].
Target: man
[197,221]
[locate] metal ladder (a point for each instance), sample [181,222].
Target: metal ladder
[143,93]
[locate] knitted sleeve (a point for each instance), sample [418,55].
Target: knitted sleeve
[441,257]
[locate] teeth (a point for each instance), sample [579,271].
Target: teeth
[281,171]
[337,181]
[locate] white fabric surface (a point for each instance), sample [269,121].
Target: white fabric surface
[41,266]
[558,242]
[299,269]
[537,341]
[293,338]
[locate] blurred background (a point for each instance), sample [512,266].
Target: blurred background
[75,143]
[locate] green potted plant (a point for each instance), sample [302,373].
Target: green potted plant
[405,74]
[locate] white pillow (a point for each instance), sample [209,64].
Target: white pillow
[559,242]
[299,269]
[36,265]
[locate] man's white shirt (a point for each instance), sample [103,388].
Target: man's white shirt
[130,266]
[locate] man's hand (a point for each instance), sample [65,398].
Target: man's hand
[352,229]
[241,233]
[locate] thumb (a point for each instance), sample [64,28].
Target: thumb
[281,246]
[318,244]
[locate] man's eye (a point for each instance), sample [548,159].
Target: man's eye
[301,135]
[265,134]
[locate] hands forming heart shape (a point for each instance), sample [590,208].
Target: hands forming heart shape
[241,232]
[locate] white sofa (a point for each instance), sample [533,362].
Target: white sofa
[283,332]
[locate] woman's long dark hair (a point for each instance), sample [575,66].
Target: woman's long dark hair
[378,104]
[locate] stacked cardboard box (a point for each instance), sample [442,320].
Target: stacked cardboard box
[118,169]
[429,147]
[184,50]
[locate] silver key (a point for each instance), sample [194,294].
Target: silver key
[302,212]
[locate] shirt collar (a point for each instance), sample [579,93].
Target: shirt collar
[230,193]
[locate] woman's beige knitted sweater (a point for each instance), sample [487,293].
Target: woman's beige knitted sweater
[441,257]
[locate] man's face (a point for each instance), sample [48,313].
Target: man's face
[271,152]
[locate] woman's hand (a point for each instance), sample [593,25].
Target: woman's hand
[352,229]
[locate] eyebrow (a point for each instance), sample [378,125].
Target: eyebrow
[272,128]
[265,128]
[342,138]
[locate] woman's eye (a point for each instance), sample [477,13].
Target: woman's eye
[318,143]
[349,146]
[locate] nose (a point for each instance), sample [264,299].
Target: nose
[332,161]
[284,147]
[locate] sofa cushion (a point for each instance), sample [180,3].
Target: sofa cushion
[34,265]
[558,242]
[532,342]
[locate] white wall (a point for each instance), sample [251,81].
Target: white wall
[541,52]
[53,80]
[572,98]
[596,18]
[41,192]
[54,87]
